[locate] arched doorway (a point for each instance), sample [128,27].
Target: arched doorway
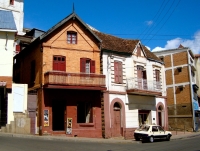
[160,116]
[116,120]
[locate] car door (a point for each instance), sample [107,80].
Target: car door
[161,132]
[155,131]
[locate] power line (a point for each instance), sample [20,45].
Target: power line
[155,16]
[160,20]
[165,21]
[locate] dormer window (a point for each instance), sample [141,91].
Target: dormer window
[11,2]
[161,58]
[71,37]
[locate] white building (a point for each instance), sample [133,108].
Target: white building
[17,8]
[136,89]
[13,97]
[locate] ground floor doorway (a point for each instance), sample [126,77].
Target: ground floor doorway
[144,117]
[117,120]
[58,115]
[3,107]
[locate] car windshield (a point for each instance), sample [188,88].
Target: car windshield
[143,128]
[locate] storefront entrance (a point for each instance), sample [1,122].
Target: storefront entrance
[144,117]
[58,115]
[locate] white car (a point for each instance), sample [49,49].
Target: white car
[151,132]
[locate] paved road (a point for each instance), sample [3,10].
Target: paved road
[32,144]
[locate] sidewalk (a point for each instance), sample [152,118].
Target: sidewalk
[175,135]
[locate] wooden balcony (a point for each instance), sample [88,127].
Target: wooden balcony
[74,80]
[144,87]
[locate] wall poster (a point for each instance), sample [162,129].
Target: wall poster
[46,117]
[69,126]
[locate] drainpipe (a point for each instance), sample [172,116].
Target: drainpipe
[191,91]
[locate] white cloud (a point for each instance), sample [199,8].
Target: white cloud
[193,44]
[149,23]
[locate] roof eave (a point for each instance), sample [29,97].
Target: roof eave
[73,15]
[155,60]
[9,30]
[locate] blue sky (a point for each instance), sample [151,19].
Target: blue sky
[159,24]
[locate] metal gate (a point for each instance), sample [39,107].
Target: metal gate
[32,109]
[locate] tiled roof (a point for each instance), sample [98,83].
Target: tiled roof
[113,43]
[7,20]
[150,55]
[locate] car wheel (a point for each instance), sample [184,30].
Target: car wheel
[168,137]
[137,139]
[151,139]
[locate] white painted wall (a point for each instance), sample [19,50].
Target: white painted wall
[19,92]
[6,53]
[17,100]
[10,116]
[132,102]
[18,12]
[108,70]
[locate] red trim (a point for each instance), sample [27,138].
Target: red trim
[165,114]
[18,48]
[74,87]
[92,66]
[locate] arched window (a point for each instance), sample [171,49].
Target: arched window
[117,106]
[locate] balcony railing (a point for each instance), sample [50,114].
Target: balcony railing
[143,84]
[74,79]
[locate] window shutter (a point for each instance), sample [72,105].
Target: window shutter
[55,63]
[82,64]
[139,72]
[120,73]
[157,75]
[92,66]
[116,72]
[18,48]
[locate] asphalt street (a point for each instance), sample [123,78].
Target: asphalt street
[33,144]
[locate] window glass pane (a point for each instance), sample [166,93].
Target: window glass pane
[84,112]
[54,58]
[71,37]
[59,58]
[154,129]
[87,66]
[63,59]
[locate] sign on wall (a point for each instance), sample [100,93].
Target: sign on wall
[46,117]
[18,98]
[69,126]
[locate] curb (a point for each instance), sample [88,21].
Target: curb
[94,140]
[72,139]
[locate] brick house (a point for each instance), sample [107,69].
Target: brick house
[135,81]
[62,67]
[182,88]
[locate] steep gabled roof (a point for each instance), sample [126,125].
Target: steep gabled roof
[113,43]
[150,55]
[59,24]
[7,21]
